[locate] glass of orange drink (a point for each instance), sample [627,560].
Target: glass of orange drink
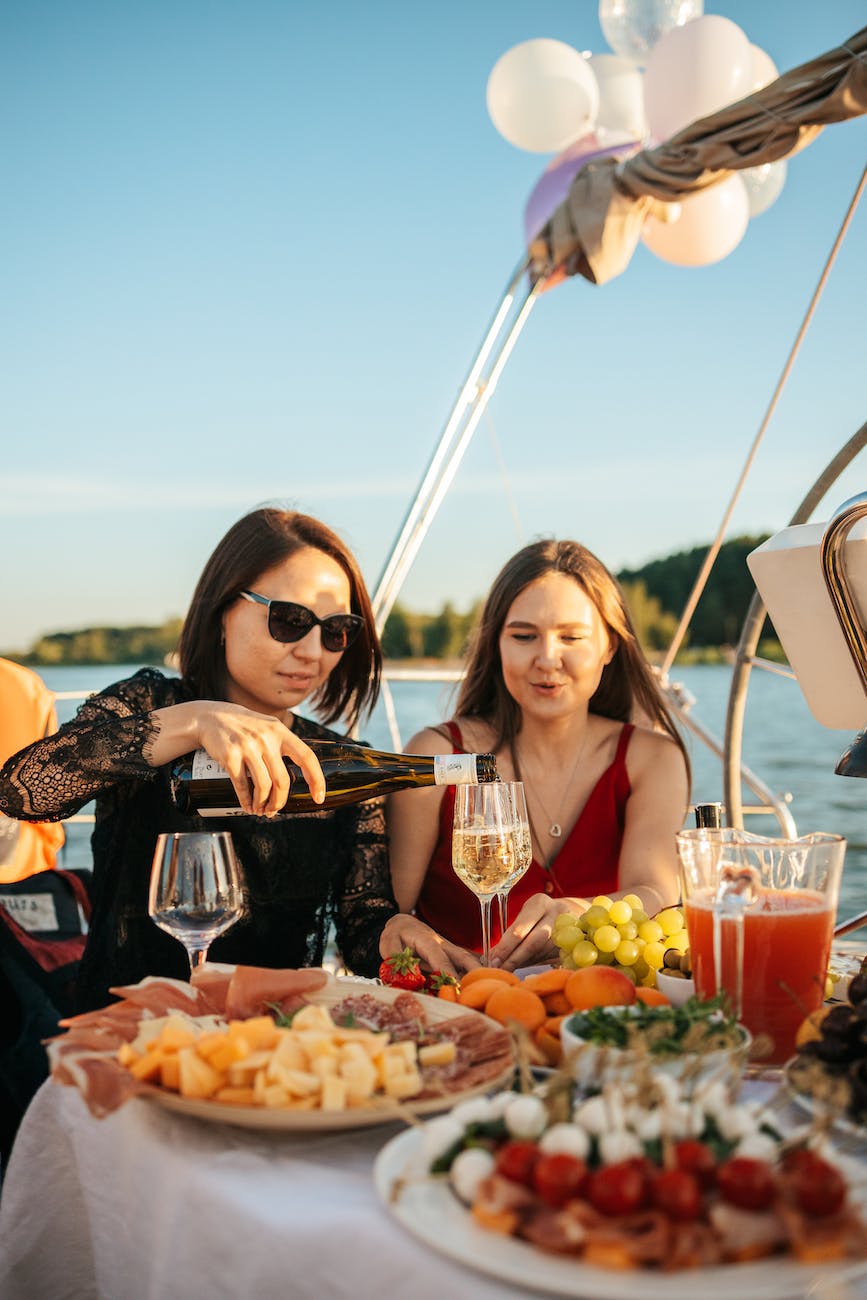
[760,917]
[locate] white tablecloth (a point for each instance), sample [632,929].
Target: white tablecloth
[145,1205]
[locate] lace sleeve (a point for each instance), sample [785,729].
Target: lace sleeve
[102,746]
[367,901]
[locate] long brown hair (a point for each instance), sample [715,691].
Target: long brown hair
[627,685]
[260,540]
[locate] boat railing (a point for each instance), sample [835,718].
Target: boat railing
[680,700]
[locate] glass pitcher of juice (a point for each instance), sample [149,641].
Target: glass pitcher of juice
[760,917]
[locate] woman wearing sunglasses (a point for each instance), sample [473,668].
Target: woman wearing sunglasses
[280,615]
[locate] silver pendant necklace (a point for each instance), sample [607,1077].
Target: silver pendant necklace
[555,829]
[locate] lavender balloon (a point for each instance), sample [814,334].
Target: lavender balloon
[553,185]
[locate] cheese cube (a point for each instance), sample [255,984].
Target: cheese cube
[360,1077]
[196,1078]
[334,1093]
[437,1053]
[312,1017]
[401,1086]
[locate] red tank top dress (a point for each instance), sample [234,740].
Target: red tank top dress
[587,864]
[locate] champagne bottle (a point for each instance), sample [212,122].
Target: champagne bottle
[201,788]
[709,816]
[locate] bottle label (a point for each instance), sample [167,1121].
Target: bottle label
[205,767]
[455,769]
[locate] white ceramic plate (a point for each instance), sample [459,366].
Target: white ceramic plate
[382,1111]
[430,1211]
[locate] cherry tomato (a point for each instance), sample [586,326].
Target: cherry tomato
[747,1183]
[695,1158]
[516,1161]
[559,1177]
[677,1194]
[617,1189]
[645,1167]
[816,1186]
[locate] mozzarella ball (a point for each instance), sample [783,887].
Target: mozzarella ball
[565,1139]
[646,1124]
[735,1123]
[525,1117]
[758,1146]
[592,1115]
[614,1147]
[499,1102]
[469,1169]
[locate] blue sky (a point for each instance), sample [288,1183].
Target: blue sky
[249,250]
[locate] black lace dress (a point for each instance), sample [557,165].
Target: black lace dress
[302,873]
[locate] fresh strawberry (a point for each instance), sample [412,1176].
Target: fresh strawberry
[440,979]
[402,970]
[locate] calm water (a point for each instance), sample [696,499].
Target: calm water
[783,745]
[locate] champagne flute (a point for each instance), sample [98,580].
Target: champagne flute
[196,889]
[486,847]
[525,846]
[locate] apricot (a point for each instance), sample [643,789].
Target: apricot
[548,981]
[488,973]
[599,986]
[477,994]
[557,1004]
[652,997]
[514,1003]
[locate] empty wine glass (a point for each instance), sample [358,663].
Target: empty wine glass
[525,849]
[196,889]
[487,852]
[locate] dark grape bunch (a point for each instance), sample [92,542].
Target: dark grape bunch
[832,1066]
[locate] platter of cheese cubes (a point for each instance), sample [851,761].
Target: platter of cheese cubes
[353,1054]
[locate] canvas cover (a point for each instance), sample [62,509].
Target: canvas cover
[594,232]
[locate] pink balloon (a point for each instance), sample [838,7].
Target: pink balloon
[553,185]
[711,224]
[694,70]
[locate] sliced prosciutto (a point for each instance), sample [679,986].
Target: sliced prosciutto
[159,995]
[255,990]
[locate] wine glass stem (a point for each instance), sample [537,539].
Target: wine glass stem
[503,900]
[198,957]
[485,905]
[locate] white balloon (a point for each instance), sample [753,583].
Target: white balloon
[620,115]
[632,27]
[764,185]
[764,70]
[542,95]
[693,71]
[711,224]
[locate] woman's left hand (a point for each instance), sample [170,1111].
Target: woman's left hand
[405,931]
[528,941]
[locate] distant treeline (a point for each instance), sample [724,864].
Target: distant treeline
[655,593]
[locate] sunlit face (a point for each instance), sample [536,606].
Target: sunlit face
[270,676]
[554,645]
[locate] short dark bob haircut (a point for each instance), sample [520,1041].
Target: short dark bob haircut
[627,687]
[257,542]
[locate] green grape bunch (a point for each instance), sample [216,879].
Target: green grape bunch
[620,934]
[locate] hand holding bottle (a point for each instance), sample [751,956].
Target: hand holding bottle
[200,787]
[250,747]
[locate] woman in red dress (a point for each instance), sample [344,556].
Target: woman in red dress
[559,689]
